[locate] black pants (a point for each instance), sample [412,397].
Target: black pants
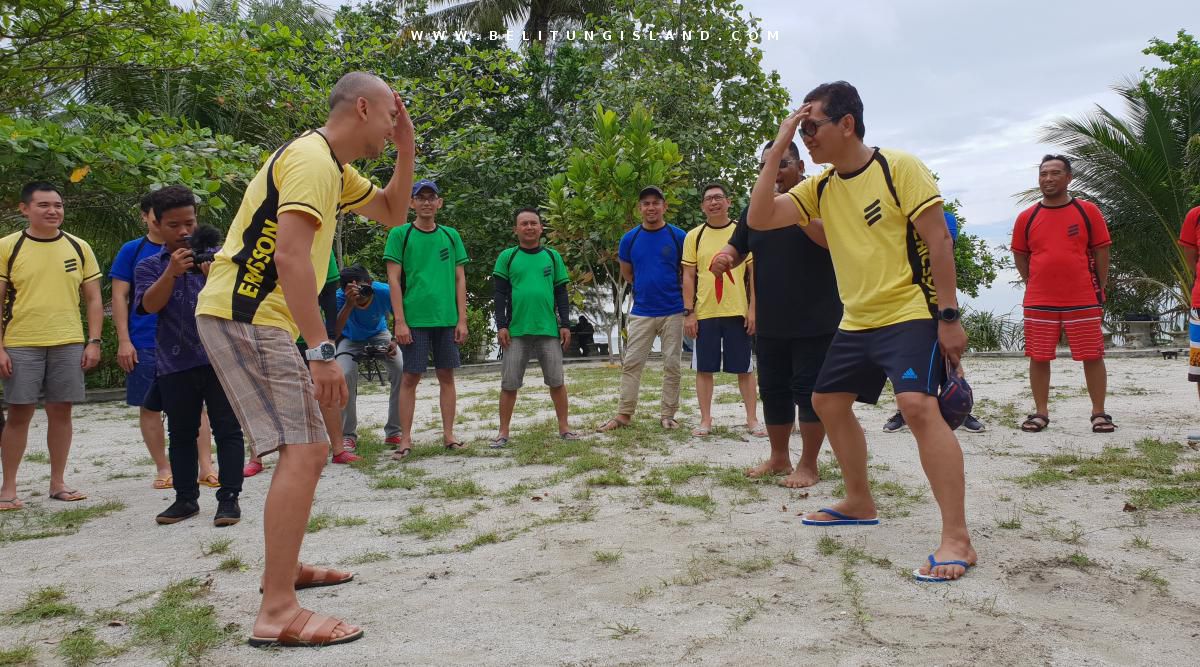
[184,394]
[787,372]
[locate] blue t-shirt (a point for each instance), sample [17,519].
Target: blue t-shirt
[952,225]
[370,321]
[141,327]
[655,256]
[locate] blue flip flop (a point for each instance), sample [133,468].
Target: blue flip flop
[841,520]
[929,578]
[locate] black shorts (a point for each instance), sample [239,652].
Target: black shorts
[787,372]
[859,362]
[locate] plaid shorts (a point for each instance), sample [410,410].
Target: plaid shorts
[426,340]
[266,382]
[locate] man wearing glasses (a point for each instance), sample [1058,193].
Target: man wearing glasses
[793,328]
[894,263]
[718,311]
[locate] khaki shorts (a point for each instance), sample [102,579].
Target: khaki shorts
[549,353]
[54,373]
[266,381]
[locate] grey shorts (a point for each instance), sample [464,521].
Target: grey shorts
[266,381]
[549,353]
[56,369]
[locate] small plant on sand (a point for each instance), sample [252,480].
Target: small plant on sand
[606,557]
[218,547]
[44,603]
[1151,575]
[179,626]
[21,655]
[620,630]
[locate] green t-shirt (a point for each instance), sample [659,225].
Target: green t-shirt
[333,273]
[429,260]
[533,275]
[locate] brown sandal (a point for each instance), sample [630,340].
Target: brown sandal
[1103,423]
[312,576]
[294,635]
[611,425]
[1035,423]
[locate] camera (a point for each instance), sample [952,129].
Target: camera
[202,243]
[365,291]
[375,350]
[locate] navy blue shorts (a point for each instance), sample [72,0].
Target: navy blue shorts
[722,339]
[859,362]
[438,341]
[137,383]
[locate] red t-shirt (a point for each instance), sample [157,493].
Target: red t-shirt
[1058,244]
[1188,237]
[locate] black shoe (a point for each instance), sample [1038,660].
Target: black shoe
[973,425]
[228,513]
[178,511]
[894,424]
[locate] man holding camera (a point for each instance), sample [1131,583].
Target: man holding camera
[362,319]
[168,285]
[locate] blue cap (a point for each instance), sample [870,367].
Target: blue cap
[423,184]
[955,399]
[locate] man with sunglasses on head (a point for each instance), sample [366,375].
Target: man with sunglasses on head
[883,225]
[793,327]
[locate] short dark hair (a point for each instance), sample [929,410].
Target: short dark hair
[714,184]
[527,209]
[1051,157]
[355,273]
[172,197]
[37,186]
[792,148]
[148,201]
[840,99]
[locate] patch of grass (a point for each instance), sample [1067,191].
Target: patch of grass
[1152,461]
[1077,559]
[1139,542]
[44,603]
[746,614]
[608,478]
[37,523]
[233,564]
[455,489]
[621,631]
[679,473]
[850,555]
[1013,522]
[81,647]
[703,502]
[37,457]
[405,480]
[21,655]
[854,591]
[369,557]
[427,527]
[829,469]
[218,547]
[179,627]
[480,540]
[606,557]
[1161,497]
[752,565]
[318,522]
[594,461]
[1042,477]
[644,593]
[1151,575]
[828,546]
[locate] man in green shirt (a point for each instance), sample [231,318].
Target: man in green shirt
[428,281]
[531,285]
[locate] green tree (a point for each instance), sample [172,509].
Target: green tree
[595,201]
[974,262]
[486,16]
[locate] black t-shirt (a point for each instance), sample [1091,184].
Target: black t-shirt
[793,278]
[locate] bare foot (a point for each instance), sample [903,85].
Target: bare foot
[769,467]
[612,425]
[801,478]
[857,510]
[951,550]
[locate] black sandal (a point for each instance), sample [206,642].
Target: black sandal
[1103,423]
[1033,425]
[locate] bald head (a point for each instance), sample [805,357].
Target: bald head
[354,85]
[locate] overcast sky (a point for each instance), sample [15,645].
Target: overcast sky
[966,86]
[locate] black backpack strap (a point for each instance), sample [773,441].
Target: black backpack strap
[12,258]
[821,184]
[1087,222]
[1029,224]
[10,297]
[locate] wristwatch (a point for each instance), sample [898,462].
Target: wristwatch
[322,352]
[97,341]
[948,314]
[687,311]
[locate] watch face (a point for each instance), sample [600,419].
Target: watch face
[327,350]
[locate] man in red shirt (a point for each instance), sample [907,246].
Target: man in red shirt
[1060,246]
[1189,238]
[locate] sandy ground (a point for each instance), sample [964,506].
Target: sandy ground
[744,583]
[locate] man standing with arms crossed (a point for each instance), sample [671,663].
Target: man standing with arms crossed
[1060,246]
[650,256]
[427,277]
[794,327]
[894,263]
[530,282]
[262,291]
[721,319]
[43,270]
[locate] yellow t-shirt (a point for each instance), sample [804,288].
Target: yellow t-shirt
[699,247]
[44,280]
[881,263]
[303,175]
